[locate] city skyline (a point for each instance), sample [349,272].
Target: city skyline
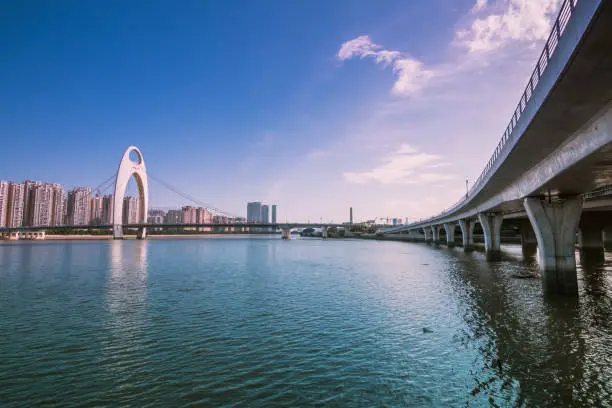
[283,119]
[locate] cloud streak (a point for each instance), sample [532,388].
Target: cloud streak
[412,75]
[404,166]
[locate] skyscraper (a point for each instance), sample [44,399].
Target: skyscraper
[190,216]
[265,214]
[351,215]
[131,210]
[204,216]
[254,212]
[97,205]
[174,217]
[58,208]
[29,197]
[274,213]
[40,204]
[4,201]
[16,204]
[79,202]
[107,209]
[156,217]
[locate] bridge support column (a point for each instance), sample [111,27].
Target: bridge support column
[555,226]
[435,234]
[450,234]
[117,231]
[491,226]
[427,233]
[285,233]
[324,232]
[142,233]
[529,242]
[467,231]
[590,238]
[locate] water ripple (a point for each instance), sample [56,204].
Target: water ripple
[262,322]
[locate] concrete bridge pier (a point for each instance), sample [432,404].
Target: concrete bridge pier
[117,231]
[467,232]
[427,233]
[142,233]
[324,232]
[590,238]
[285,233]
[555,224]
[435,234]
[529,243]
[491,227]
[449,228]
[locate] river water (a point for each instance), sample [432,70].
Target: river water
[262,322]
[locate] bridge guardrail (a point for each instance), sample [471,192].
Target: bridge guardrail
[558,28]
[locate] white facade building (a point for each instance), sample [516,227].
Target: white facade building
[4,201]
[79,202]
[16,205]
[130,210]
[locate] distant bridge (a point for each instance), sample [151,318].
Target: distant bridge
[285,228]
[557,147]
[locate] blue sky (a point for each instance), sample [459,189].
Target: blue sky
[386,106]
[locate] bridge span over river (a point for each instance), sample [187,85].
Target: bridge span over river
[556,150]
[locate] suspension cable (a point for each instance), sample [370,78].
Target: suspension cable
[104,183]
[190,198]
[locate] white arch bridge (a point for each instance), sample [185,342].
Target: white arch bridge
[556,148]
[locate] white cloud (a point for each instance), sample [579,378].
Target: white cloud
[412,75]
[492,26]
[480,4]
[404,166]
[507,21]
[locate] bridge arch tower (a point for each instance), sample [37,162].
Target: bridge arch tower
[128,168]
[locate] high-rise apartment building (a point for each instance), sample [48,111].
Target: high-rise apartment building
[274,206]
[16,205]
[190,215]
[254,212]
[40,204]
[79,202]
[131,210]
[174,217]
[107,209]
[156,217]
[58,208]
[29,197]
[4,201]
[96,209]
[204,216]
[265,214]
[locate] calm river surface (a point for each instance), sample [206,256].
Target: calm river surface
[262,322]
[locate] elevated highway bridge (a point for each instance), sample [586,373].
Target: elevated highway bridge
[556,148]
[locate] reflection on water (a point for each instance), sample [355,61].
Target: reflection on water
[126,296]
[266,322]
